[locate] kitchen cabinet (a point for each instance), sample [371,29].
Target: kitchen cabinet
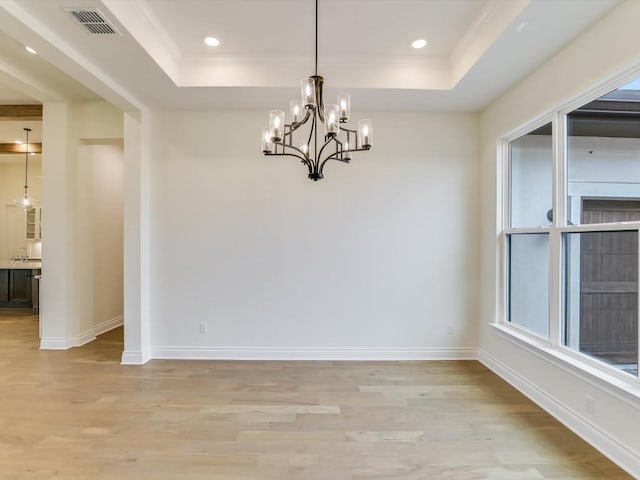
[33,220]
[16,287]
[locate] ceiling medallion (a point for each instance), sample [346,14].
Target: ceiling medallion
[338,141]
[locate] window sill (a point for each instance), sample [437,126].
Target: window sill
[625,389]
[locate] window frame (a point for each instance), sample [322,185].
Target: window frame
[554,345]
[507,287]
[506,230]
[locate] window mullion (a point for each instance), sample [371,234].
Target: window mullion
[503,223]
[506,187]
[560,169]
[521,230]
[555,237]
[600,227]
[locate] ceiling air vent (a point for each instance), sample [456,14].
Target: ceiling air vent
[93,21]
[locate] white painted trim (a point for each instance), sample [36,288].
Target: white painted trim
[55,343]
[556,281]
[521,331]
[64,343]
[528,230]
[600,227]
[84,338]
[92,334]
[597,374]
[108,325]
[285,353]
[134,358]
[609,446]
[607,84]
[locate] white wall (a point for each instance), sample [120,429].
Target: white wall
[68,285]
[606,49]
[374,261]
[100,237]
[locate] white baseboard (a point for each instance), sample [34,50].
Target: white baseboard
[609,446]
[56,343]
[382,354]
[64,343]
[134,358]
[107,325]
[84,338]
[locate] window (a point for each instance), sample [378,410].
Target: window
[601,296]
[603,149]
[530,172]
[529,210]
[591,247]
[529,282]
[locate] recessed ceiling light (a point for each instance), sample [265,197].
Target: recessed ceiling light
[420,43]
[30,50]
[211,41]
[521,26]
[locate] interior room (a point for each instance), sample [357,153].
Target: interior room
[319,239]
[20,240]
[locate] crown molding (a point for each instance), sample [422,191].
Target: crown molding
[491,23]
[141,23]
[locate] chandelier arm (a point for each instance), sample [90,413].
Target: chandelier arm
[294,126]
[320,98]
[350,131]
[302,156]
[319,156]
[339,151]
[334,156]
[302,159]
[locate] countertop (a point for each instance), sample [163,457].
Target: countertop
[8,264]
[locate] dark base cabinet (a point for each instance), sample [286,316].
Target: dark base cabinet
[4,286]
[15,288]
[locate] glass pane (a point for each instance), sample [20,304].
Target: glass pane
[603,171]
[529,282]
[530,168]
[601,296]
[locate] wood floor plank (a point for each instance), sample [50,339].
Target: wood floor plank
[79,414]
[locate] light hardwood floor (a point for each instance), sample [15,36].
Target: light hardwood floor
[78,414]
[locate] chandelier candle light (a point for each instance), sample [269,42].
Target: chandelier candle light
[26,201]
[338,142]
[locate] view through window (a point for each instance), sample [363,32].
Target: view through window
[593,245]
[603,190]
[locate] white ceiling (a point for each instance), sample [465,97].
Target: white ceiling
[475,50]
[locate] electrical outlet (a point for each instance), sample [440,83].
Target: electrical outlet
[203,328]
[590,405]
[450,329]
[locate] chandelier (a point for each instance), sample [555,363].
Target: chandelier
[337,141]
[26,201]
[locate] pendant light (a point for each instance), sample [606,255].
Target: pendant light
[26,202]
